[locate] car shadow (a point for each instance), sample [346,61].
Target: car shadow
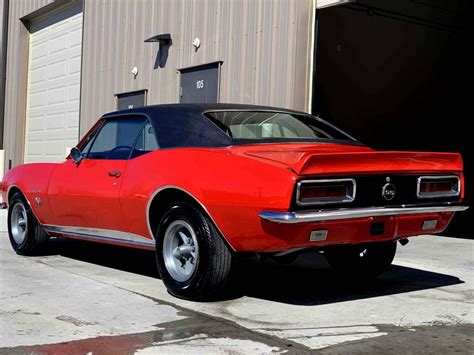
[310,281]
[137,261]
[307,281]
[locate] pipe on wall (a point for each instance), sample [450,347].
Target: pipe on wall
[3,62]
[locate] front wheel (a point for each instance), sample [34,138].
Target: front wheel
[27,236]
[192,258]
[361,261]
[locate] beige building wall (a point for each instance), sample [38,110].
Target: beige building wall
[265,47]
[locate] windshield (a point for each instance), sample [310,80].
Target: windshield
[275,126]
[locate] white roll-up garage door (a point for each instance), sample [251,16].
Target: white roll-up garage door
[54,82]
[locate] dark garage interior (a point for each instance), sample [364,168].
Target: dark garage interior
[396,75]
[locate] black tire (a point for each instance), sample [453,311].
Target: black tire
[361,261]
[35,237]
[210,276]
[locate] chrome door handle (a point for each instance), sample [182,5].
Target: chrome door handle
[114,173]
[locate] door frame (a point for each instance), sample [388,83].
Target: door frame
[119,94]
[219,69]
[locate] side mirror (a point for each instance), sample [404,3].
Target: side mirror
[76,155]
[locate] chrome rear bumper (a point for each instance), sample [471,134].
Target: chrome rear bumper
[351,213]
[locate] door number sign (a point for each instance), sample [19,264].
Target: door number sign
[200,84]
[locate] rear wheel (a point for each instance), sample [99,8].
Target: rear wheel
[27,236]
[361,261]
[193,260]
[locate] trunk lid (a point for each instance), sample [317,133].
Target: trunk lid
[312,159]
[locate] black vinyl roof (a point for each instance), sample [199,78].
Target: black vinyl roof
[185,125]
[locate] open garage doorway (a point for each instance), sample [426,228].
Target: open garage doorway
[396,74]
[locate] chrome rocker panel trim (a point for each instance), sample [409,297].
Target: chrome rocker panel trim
[105,235]
[351,213]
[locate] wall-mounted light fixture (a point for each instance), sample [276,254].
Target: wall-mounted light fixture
[164,41]
[196,43]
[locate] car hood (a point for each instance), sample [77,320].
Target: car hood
[307,159]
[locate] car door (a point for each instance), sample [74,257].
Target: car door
[84,197]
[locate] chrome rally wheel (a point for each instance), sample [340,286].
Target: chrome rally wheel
[26,234]
[193,260]
[19,223]
[180,250]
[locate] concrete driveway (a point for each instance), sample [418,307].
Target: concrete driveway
[91,298]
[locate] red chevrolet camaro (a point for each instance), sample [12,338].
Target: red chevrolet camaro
[200,184]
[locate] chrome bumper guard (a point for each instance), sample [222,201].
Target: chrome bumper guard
[351,213]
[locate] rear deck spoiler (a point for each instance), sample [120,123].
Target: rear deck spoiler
[393,161]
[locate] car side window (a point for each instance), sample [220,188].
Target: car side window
[146,141]
[115,139]
[87,145]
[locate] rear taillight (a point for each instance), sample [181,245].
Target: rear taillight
[321,192]
[438,186]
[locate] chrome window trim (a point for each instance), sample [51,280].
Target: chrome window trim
[424,195]
[348,199]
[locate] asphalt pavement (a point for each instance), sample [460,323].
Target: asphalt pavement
[89,298]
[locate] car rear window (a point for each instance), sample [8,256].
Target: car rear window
[275,126]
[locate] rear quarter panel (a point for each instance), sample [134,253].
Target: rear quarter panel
[233,189]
